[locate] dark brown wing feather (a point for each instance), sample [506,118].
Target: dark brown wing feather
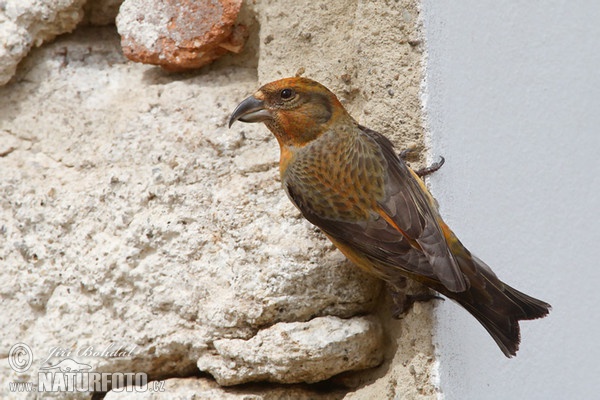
[404,193]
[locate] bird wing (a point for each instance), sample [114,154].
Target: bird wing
[409,204]
[403,231]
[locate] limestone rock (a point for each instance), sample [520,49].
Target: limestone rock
[28,23]
[180,35]
[295,352]
[130,222]
[130,214]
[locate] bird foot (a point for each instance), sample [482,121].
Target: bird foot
[431,169]
[402,303]
[406,153]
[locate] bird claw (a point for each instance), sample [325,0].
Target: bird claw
[403,303]
[431,169]
[407,153]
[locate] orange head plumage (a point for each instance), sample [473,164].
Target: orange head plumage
[296,110]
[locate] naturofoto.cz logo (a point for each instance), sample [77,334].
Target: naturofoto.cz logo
[69,375]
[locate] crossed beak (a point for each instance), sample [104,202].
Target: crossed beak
[250,110]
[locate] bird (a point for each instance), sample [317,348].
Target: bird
[349,181]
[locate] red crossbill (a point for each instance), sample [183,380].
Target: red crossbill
[347,180]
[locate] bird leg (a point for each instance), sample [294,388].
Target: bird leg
[403,302]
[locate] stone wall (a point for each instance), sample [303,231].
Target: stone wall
[130,216]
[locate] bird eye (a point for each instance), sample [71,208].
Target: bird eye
[287,94]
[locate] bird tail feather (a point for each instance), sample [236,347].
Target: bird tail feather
[496,305]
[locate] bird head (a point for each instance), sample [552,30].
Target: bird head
[296,110]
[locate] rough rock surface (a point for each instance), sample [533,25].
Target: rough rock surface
[28,23]
[316,351]
[130,215]
[180,35]
[148,223]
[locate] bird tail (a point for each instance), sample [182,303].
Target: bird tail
[496,305]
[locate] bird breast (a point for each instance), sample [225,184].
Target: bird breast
[338,176]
